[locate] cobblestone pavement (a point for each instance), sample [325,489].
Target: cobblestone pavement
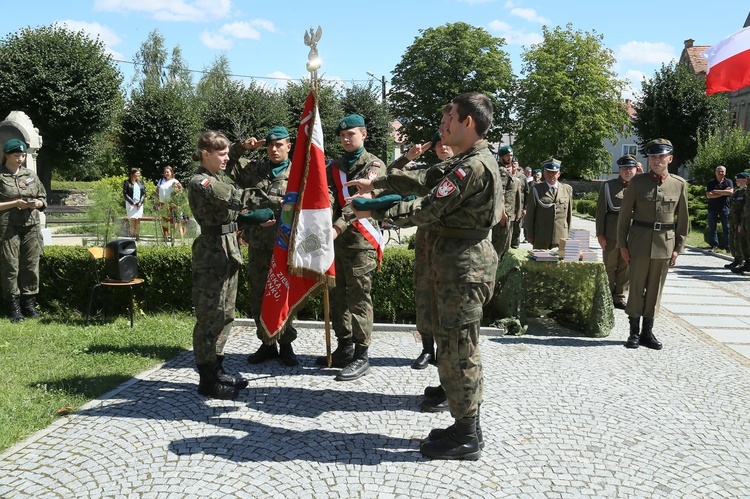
[564,416]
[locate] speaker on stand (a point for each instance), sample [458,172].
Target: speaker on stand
[121,260]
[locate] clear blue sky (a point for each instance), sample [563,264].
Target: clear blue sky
[264,40]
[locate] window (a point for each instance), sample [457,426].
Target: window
[629,149]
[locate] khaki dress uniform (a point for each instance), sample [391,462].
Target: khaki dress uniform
[549,215]
[608,204]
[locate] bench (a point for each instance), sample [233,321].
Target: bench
[65,210]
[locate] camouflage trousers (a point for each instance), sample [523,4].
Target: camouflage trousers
[459,362]
[617,271]
[424,286]
[737,241]
[515,240]
[501,238]
[214,295]
[259,261]
[20,250]
[351,302]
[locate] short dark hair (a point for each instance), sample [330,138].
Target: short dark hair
[479,107]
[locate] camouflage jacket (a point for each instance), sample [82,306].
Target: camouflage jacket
[23,184]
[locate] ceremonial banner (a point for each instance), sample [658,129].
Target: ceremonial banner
[729,63]
[303,254]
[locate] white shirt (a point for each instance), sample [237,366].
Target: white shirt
[165,189]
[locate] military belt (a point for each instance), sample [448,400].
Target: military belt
[654,225]
[219,230]
[456,233]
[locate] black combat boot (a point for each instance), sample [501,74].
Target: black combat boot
[635,328]
[648,339]
[427,355]
[341,357]
[264,353]
[14,309]
[745,267]
[358,367]
[210,386]
[434,404]
[432,392]
[28,307]
[459,441]
[438,433]
[287,355]
[735,263]
[226,378]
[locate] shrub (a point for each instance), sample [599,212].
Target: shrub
[586,207]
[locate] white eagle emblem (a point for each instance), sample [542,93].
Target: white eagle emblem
[445,188]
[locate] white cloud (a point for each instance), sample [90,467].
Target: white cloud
[95,30]
[215,41]
[514,37]
[529,15]
[645,53]
[264,24]
[635,81]
[240,30]
[170,10]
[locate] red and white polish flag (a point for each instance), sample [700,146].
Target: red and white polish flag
[729,63]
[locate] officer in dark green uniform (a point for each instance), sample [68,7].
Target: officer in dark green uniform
[271,177]
[607,210]
[737,241]
[22,196]
[216,259]
[549,209]
[651,232]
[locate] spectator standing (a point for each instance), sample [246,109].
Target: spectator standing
[718,191]
[165,187]
[134,192]
[22,196]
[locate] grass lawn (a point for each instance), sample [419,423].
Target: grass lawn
[51,367]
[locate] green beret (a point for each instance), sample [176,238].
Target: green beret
[552,164]
[14,145]
[504,150]
[436,138]
[350,121]
[742,175]
[658,146]
[628,161]
[277,133]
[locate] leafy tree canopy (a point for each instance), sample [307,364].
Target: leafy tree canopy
[569,102]
[730,148]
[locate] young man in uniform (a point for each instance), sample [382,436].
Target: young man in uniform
[358,248]
[502,234]
[549,210]
[651,232]
[271,177]
[737,241]
[607,209]
[466,203]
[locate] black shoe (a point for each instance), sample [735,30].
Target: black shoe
[459,441]
[438,433]
[620,305]
[434,405]
[648,339]
[341,357]
[210,386]
[358,367]
[635,332]
[287,355]
[226,378]
[742,268]
[264,353]
[422,361]
[14,310]
[432,392]
[736,262]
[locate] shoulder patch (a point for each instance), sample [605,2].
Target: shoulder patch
[445,188]
[205,182]
[460,173]
[377,163]
[372,174]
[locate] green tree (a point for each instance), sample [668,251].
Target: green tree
[442,63]
[363,99]
[69,87]
[674,105]
[569,102]
[329,106]
[730,148]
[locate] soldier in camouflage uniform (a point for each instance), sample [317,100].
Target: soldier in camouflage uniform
[358,248]
[744,230]
[22,196]
[466,203]
[737,241]
[270,176]
[523,193]
[216,259]
[512,194]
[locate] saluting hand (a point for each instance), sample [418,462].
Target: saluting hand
[252,143]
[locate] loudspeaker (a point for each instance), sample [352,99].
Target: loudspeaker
[120,260]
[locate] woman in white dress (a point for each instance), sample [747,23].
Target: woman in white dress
[165,187]
[134,192]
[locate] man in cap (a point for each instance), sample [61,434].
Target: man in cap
[466,203]
[22,197]
[271,176]
[737,240]
[718,192]
[549,210]
[502,233]
[358,246]
[651,232]
[607,210]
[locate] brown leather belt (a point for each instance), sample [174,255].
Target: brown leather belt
[655,225]
[219,230]
[456,233]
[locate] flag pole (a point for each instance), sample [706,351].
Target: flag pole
[313,64]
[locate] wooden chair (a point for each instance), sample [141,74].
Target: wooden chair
[97,254]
